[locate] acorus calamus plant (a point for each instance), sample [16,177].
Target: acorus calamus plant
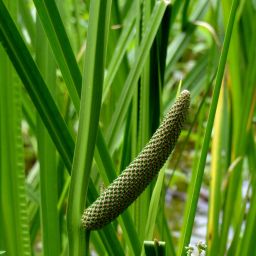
[136,177]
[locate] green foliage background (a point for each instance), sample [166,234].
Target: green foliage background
[84,85]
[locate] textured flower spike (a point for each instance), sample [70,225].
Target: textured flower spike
[136,177]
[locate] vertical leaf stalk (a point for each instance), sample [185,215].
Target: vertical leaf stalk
[47,154]
[88,121]
[14,224]
[195,186]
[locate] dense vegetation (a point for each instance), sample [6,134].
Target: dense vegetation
[83,87]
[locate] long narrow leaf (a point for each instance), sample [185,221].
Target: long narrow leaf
[153,207]
[198,176]
[47,155]
[130,84]
[88,120]
[14,215]
[60,44]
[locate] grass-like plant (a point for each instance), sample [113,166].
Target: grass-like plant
[83,87]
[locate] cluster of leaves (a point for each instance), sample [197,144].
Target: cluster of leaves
[84,85]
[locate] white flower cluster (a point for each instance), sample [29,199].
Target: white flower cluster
[197,250]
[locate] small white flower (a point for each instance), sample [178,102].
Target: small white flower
[196,250]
